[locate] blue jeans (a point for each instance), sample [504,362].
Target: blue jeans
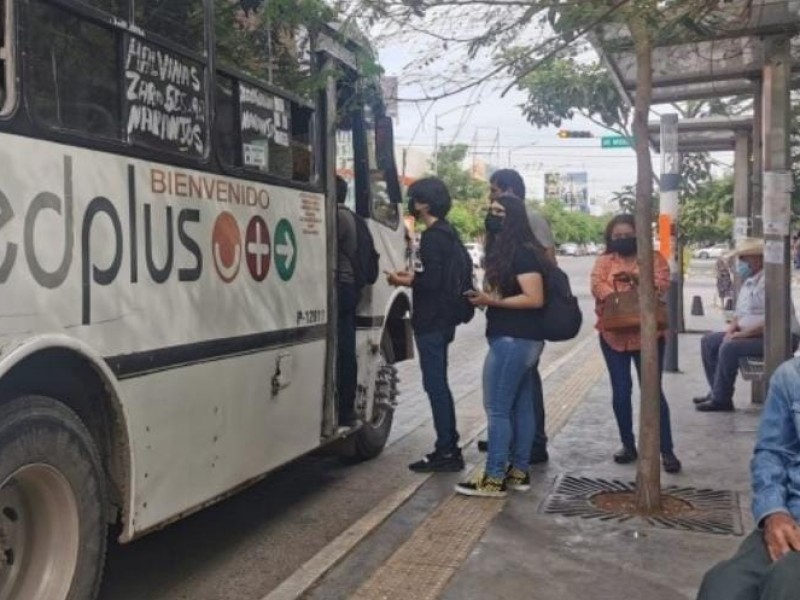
[619,371]
[432,348]
[507,391]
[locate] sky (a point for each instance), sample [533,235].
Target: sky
[497,132]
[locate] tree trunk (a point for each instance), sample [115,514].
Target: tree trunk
[648,472]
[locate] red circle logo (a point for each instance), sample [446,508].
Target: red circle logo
[226,246]
[257,249]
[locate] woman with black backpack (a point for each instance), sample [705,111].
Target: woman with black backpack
[516,264]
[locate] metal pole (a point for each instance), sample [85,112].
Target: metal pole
[668,230]
[777,188]
[741,186]
[742,223]
[757,195]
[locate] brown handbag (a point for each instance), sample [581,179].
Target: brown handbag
[621,311]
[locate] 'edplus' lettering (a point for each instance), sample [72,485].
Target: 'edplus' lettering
[98,275]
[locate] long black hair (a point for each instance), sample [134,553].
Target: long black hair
[502,247]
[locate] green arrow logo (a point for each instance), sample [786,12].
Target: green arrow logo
[285,250]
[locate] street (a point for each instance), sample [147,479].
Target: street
[243,547]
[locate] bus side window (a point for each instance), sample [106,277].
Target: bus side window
[118,8]
[181,21]
[302,143]
[6,62]
[73,71]
[228,140]
[383,181]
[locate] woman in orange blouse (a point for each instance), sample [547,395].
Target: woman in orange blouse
[618,267]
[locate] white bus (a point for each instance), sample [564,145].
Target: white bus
[167,256]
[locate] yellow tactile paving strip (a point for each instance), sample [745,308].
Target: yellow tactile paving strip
[421,568]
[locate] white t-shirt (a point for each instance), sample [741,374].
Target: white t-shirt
[541,229]
[751,304]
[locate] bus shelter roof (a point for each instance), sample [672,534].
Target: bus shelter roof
[705,60]
[706,134]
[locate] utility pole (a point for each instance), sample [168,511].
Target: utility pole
[668,230]
[436,133]
[777,182]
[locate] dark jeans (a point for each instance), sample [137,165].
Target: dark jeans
[432,348]
[619,370]
[721,361]
[751,575]
[346,361]
[540,437]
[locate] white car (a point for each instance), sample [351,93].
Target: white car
[476,254]
[715,251]
[568,249]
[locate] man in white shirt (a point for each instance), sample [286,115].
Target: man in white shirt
[744,336]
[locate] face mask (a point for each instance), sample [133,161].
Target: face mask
[743,269]
[623,246]
[494,223]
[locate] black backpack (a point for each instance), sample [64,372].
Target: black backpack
[366,259]
[458,279]
[561,316]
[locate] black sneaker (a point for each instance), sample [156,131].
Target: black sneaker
[517,480]
[439,462]
[670,462]
[483,445]
[625,455]
[487,487]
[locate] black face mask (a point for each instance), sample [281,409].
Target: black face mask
[623,246]
[494,223]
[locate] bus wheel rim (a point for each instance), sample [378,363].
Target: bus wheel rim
[39,534]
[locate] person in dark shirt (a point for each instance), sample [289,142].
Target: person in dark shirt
[514,291]
[346,363]
[429,202]
[505,182]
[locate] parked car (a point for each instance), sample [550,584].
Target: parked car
[592,249]
[715,251]
[476,254]
[568,249]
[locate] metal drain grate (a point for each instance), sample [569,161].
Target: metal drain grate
[713,511]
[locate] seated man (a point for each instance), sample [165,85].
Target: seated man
[767,566]
[744,336]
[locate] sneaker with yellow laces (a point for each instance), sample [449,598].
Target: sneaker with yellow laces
[483,485]
[518,480]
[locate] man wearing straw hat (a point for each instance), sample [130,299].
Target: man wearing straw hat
[744,336]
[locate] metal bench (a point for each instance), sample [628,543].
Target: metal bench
[752,370]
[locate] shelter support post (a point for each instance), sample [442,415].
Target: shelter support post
[668,231]
[776,214]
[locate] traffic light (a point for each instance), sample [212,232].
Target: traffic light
[566,133]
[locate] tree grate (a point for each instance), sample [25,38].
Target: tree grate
[711,511]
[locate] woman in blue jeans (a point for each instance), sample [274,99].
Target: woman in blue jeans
[618,270]
[514,291]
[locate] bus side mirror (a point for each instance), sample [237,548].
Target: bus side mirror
[384,149]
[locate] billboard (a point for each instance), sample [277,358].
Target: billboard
[571,189]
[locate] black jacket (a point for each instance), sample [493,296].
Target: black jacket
[431,312]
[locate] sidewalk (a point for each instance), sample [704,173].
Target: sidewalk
[525,553]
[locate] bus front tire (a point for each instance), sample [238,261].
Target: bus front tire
[370,440]
[52,503]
